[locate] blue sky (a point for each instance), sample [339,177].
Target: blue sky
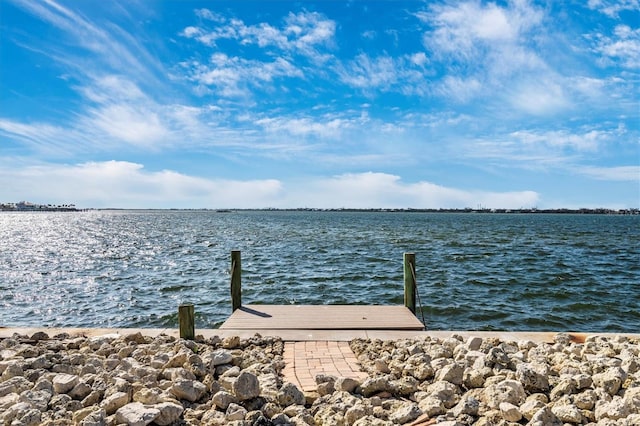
[216,104]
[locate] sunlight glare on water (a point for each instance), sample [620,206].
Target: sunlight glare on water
[475,271]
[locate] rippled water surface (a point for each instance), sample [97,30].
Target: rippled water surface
[475,271]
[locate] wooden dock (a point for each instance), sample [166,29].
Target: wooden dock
[322,317]
[311,319]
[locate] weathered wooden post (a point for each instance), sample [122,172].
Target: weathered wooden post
[186,321]
[236,283]
[410,281]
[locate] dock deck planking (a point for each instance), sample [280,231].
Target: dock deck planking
[322,317]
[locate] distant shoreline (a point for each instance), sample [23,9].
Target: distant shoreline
[600,211]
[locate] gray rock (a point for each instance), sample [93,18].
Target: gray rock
[189,390]
[568,413]
[136,414]
[14,385]
[269,385]
[510,412]
[169,413]
[451,373]
[289,394]
[585,400]
[80,391]
[222,399]
[235,412]
[432,406]
[326,388]
[148,396]
[355,413]
[534,377]
[346,384]
[374,385]
[37,399]
[92,399]
[497,356]
[112,403]
[63,383]
[97,417]
[474,343]
[582,381]
[12,370]
[246,386]
[231,342]
[566,386]
[178,360]
[467,405]
[8,401]
[610,380]
[406,413]
[281,419]
[15,412]
[32,417]
[221,357]
[381,366]
[510,391]
[446,392]
[616,409]
[39,335]
[545,417]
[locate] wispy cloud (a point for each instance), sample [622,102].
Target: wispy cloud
[623,47]
[492,49]
[237,77]
[111,48]
[302,32]
[612,8]
[405,74]
[618,173]
[543,149]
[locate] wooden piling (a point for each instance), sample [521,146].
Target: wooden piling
[186,321]
[236,284]
[410,281]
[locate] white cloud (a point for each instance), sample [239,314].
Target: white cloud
[366,73]
[623,47]
[495,54]
[544,150]
[52,141]
[620,173]
[301,32]
[612,8]
[588,141]
[234,76]
[405,74]
[110,49]
[372,190]
[129,185]
[329,128]
[466,29]
[124,123]
[420,59]
[460,89]
[538,96]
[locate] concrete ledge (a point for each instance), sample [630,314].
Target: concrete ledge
[310,335]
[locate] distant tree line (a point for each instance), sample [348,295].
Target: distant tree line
[25,206]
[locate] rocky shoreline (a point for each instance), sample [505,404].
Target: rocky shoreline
[139,380]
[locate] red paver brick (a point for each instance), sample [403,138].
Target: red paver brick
[305,360]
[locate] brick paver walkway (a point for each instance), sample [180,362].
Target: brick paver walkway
[305,360]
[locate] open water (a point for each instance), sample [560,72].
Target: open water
[540,272]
